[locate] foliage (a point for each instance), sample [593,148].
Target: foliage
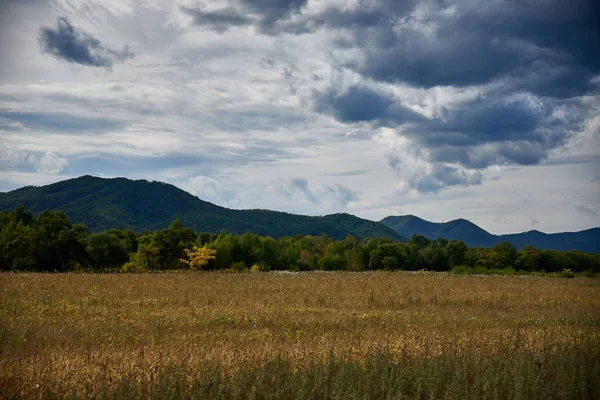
[198,257]
[49,242]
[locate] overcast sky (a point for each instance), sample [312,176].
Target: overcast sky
[480,109]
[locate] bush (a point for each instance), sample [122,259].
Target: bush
[566,273]
[333,263]
[132,267]
[390,263]
[260,268]
[239,266]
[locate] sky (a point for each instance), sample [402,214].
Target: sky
[487,110]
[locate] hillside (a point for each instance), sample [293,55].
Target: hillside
[460,229]
[474,236]
[142,205]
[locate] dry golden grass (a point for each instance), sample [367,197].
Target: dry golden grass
[81,334]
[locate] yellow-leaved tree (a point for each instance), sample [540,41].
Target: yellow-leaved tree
[198,257]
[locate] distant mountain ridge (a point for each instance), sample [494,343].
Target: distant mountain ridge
[141,205]
[474,236]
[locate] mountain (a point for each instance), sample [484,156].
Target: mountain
[587,241]
[474,236]
[141,205]
[460,229]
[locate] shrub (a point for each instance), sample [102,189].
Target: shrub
[198,257]
[132,267]
[390,263]
[239,266]
[566,273]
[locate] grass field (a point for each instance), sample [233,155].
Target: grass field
[308,335]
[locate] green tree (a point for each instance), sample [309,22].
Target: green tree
[376,259]
[456,250]
[434,257]
[333,262]
[503,255]
[389,263]
[105,250]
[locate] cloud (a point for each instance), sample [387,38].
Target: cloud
[352,172]
[544,49]
[234,100]
[220,20]
[263,14]
[584,210]
[327,197]
[48,163]
[10,125]
[11,157]
[454,134]
[56,121]
[65,42]
[359,103]
[419,172]
[207,189]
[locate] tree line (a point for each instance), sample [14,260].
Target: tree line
[50,242]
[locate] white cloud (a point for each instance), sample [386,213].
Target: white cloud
[206,188]
[11,157]
[48,163]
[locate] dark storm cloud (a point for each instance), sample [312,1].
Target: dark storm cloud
[484,121]
[219,20]
[65,42]
[500,153]
[360,103]
[272,11]
[544,47]
[264,14]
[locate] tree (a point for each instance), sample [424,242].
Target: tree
[420,240]
[528,259]
[333,262]
[503,255]
[456,250]
[105,250]
[169,245]
[198,257]
[434,257]
[375,259]
[390,263]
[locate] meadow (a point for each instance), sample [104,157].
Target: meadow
[298,335]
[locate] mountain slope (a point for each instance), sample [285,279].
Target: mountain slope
[141,205]
[587,241]
[473,235]
[459,229]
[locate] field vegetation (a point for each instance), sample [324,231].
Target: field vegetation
[298,335]
[49,242]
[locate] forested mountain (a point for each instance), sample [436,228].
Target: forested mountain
[473,236]
[141,205]
[460,229]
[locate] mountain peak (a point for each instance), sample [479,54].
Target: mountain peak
[474,236]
